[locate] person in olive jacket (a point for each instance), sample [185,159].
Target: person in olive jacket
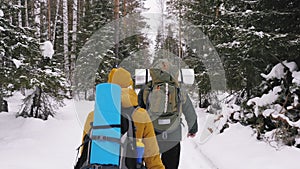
[169,144]
[143,126]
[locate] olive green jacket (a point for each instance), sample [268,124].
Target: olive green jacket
[188,112]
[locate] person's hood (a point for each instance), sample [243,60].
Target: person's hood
[121,77]
[129,97]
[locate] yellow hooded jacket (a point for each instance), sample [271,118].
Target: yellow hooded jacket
[141,119]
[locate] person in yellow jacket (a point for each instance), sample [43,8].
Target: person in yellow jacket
[144,130]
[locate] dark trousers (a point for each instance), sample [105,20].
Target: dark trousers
[170,157]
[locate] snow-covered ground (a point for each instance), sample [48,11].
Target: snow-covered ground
[34,144]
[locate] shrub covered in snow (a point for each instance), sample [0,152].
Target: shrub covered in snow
[275,114]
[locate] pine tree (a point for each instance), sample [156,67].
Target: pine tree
[279,123]
[128,46]
[24,66]
[246,35]
[197,51]
[6,61]
[96,15]
[92,43]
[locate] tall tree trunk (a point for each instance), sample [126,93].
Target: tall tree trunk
[10,14]
[116,16]
[26,13]
[55,21]
[79,5]
[49,20]
[37,18]
[179,33]
[124,7]
[66,37]
[1,88]
[124,33]
[43,22]
[161,4]
[20,13]
[83,8]
[74,38]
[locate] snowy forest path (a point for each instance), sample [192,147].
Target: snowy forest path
[192,155]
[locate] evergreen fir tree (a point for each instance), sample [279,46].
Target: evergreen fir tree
[246,35]
[23,66]
[95,36]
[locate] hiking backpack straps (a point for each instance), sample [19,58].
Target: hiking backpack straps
[162,97]
[127,159]
[84,162]
[128,151]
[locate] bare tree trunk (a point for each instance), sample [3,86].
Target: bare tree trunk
[83,8]
[1,87]
[37,18]
[20,14]
[55,21]
[124,7]
[66,42]
[180,43]
[74,38]
[44,20]
[49,20]
[10,14]
[161,4]
[78,12]
[116,15]
[124,33]
[26,13]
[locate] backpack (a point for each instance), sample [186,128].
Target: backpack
[127,141]
[163,98]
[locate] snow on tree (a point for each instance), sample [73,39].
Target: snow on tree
[17,63]
[27,64]
[96,16]
[275,115]
[47,49]
[1,13]
[246,35]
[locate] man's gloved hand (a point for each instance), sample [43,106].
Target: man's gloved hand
[192,135]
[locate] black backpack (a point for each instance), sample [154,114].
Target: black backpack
[127,160]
